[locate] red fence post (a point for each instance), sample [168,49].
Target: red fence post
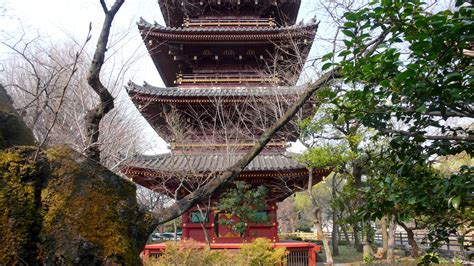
[146,254]
[312,255]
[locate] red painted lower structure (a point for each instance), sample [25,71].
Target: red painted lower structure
[299,253]
[192,226]
[222,237]
[279,174]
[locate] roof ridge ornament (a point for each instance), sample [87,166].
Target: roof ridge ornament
[142,22]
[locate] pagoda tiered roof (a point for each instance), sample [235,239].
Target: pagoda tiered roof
[166,172]
[212,33]
[153,102]
[185,50]
[175,12]
[205,163]
[149,93]
[225,64]
[230,68]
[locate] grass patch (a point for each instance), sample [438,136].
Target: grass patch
[348,254]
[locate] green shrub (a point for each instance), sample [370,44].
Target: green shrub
[189,253]
[368,259]
[429,258]
[261,252]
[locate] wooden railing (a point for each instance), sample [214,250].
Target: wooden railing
[225,79]
[268,22]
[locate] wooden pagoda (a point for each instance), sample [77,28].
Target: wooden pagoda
[226,65]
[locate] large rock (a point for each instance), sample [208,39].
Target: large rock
[64,209]
[13,130]
[58,207]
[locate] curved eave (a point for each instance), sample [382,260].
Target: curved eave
[231,34]
[185,164]
[153,173]
[148,94]
[283,183]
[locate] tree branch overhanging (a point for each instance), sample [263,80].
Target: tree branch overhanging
[428,137]
[221,179]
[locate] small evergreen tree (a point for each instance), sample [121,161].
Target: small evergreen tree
[246,203]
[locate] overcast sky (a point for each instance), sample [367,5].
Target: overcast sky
[61,20]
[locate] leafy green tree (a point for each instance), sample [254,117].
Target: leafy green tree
[339,142]
[246,203]
[303,208]
[420,77]
[424,196]
[410,89]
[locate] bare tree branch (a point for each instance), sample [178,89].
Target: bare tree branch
[63,94]
[428,137]
[94,116]
[223,178]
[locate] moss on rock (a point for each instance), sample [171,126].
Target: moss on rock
[87,200]
[20,183]
[65,209]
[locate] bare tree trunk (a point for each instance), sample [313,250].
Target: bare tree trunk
[391,240]
[292,225]
[203,224]
[206,234]
[346,235]
[335,234]
[357,242]
[94,116]
[319,227]
[383,228]
[415,250]
[368,252]
[318,218]
[357,175]
[335,227]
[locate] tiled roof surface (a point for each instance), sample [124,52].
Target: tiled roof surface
[143,24]
[214,91]
[209,163]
